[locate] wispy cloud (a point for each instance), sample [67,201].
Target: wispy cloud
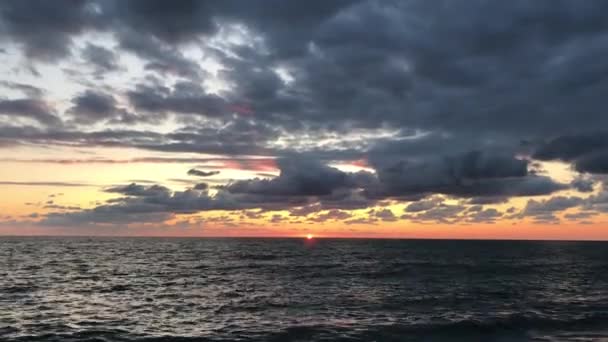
[58,184]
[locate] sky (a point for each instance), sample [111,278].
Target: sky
[394,119]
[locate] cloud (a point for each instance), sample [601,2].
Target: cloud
[143,204]
[458,99]
[588,152]
[51,184]
[137,190]
[489,215]
[34,109]
[581,215]
[234,139]
[184,98]
[385,214]
[473,174]
[305,186]
[201,186]
[102,59]
[545,210]
[298,177]
[172,23]
[61,207]
[488,200]
[443,213]
[302,182]
[90,107]
[27,89]
[332,215]
[570,147]
[45,29]
[583,184]
[305,210]
[161,57]
[395,70]
[195,172]
[593,163]
[423,205]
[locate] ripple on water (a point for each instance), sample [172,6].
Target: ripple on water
[77,289]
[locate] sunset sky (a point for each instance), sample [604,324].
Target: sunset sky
[413,119]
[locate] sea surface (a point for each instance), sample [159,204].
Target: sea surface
[171,289]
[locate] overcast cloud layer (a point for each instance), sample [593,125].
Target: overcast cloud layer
[436,99]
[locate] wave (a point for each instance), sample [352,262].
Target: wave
[262,257]
[18,289]
[517,327]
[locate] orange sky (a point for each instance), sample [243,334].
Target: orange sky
[24,206]
[523,231]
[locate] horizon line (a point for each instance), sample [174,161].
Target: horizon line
[303,237]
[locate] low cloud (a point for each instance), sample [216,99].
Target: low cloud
[199,173]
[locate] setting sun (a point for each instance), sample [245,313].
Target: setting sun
[309,236]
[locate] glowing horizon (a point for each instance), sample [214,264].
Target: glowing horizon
[337,120]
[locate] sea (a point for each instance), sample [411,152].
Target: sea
[267,289]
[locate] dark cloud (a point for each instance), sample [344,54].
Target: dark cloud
[402,66]
[183,98]
[90,107]
[95,106]
[161,57]
[102,59]
[46,29]
[195,172]
[588,152]
[201,186]
[488,200]
[593,163]
[347,198]
[298,177]
[423,205]
[482,84]
[169,22]
[473,174]
[34,109]
[446,97]
[570,147]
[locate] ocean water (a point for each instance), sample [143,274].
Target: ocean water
[140,289]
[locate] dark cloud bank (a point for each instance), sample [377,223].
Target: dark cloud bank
[473,93]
